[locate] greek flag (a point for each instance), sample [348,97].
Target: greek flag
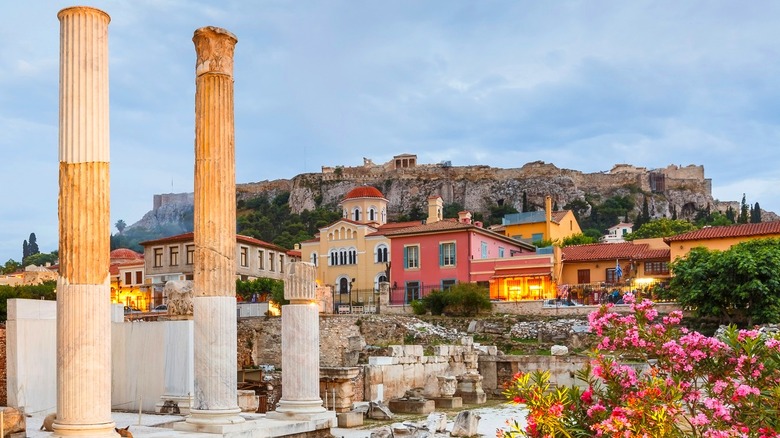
[618,269]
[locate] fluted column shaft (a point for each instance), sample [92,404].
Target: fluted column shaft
[83,287]
[214,289]
[300,344]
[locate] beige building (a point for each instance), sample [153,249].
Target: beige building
[353,252]
[172,258]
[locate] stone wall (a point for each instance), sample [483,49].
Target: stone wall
[407,366]
[496,370]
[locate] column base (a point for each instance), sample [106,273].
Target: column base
[321,420]
[300,406]
[100,430]
[212,421]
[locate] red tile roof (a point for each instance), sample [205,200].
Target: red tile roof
[557,216]
[612,251]
[383,230]
[741,230]
[446,225]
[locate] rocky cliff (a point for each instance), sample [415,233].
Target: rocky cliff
[476,188]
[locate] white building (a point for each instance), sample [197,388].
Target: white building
[615,233]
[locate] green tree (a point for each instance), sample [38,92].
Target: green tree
[43,291]
[739,284]
[579,208]
[452,210]
[578,239]
[730,215]
[743,211]
[41,259]
[497,213]
[32,247]
[25,249]
[644,216]
[120,225]
[755,214]
[525,201]
[662,227]
[264,289]
[11,266]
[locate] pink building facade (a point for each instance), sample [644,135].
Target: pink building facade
[439,254]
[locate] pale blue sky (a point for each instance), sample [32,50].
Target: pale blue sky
[580,84]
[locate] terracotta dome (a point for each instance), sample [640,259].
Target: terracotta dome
[125,254]
[364,192]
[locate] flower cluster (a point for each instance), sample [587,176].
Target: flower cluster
[650,377]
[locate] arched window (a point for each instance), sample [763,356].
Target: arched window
[356,214]
[314,258]
[352,256]
[372,214]
[333,258]
[384,216]
[343,285]
[380,254]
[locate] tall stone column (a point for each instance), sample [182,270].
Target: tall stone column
[83,287]
[301,349]
[214,287]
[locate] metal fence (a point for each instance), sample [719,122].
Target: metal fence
[356,301]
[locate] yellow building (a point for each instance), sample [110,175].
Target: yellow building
[353,254]
[720,238]
[534,226]
[590,271]
[127,277]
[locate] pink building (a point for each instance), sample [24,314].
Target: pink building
[443,252]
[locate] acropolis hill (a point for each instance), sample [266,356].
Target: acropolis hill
[407,183]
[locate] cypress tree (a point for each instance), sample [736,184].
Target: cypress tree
[32,247]
[25,250]
[525,202]
[755,214]
[743,211]
[730,214]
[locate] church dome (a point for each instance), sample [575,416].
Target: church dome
[125,254]
[364,192]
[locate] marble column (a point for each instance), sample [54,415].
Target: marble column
[83,286]
[214,289]
[300,348]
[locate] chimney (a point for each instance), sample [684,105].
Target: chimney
[478,224]
[464,217]
[548,216]
[435,209]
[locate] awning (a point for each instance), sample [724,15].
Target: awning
[522,272]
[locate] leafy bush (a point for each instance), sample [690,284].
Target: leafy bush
[418,307]
[463,299]
[688,385]
[45,290]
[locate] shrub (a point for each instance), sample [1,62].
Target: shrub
[689,384]
[463,299]
[418,307]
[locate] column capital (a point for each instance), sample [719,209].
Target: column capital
[214,47]
[85,10]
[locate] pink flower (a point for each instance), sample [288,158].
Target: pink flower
[587,396]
